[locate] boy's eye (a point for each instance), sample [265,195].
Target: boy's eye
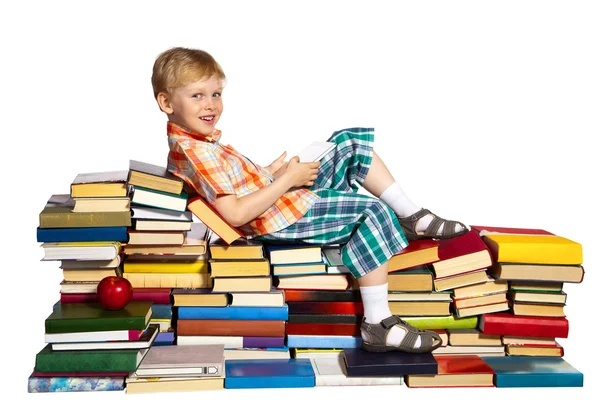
[197,95]
[217,94]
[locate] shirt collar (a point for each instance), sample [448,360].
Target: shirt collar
[173,128]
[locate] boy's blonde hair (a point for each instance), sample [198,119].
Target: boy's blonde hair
[179,66]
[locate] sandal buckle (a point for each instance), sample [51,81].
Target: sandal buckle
[390,321]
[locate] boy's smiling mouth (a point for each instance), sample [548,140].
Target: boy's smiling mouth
[209,119]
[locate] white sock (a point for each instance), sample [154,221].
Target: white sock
[376,308]
[399,202]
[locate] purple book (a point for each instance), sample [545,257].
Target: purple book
[263,342]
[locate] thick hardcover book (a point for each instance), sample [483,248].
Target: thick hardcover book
[363,363]
[154,198]
[294,254]
[514,325]
[98,234]
[199,298]
[332,372]
[292,295]
[461,254]
[418,252]
[534,249]
[199,360]
[324,318]
[100,184]
[195,327]
[85,317]
[323,329]
[417,279]
[235,313]
[153,177]
[534,372]
[537,272]
[331,307]
[240,249]
[247,374]
[75,384]
[234,342]
[59,213]
[446,322]
[166,266]
[488,230]
[323,341]
[156,296]
[159,280]
[161,311]
[456,371]
[88,361]
[211,218]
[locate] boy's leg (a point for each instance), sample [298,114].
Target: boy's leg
[415,221]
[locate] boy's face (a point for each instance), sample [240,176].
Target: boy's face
[196,106]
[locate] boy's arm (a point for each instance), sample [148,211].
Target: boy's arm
[240,211]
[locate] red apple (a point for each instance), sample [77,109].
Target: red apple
[114,292]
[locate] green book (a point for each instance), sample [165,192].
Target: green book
[445,322]
[90,317]
[88,361]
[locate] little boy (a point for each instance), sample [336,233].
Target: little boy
[312,202]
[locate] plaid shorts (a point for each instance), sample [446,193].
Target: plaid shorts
[369,228]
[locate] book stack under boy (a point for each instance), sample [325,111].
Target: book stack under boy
[536,264]
[166,249]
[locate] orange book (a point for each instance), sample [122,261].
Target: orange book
[211,218]
[197,327]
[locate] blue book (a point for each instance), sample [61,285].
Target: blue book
[96,234]
[161,311]
[360,362]
[235,313]
[523,371]
[323,342]
[74,384]
[258,374]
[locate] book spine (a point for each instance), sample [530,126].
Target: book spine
[66,298]
[94,324]
[165,268]
[86,361]
[161,311]
[190,281]
[321,296]
[156,297]
[323,329]
[448,322]
[99,234]
[74,384]
[539,380]
[235,313]
[85,220]
[323,342]
[193,327]
[324,318]
[325,308]
[506,324]
[263,342]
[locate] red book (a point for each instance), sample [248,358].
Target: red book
[418,252]
[510,231]
[155,295]
[75,374]
[323,329]
[322,307]
[211,218]
[67,298]
[465,253]
[456,371]
[517,325]
[294,295]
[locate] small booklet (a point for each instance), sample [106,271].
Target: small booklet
[315,151]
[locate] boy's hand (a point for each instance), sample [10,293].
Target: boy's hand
[301,174]
[275,167]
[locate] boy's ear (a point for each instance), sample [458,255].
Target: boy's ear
[164,103]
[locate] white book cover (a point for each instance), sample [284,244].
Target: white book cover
[315,151]
[332,372]
[160,214]
[231,342]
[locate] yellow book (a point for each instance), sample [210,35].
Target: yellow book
[534,249]
[190,267]
[157,280]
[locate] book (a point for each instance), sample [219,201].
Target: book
[196,360]
[538,309]
[325,307]
[313,282]
[274,298]
[323,341]
[526,340]
[142,225]
[332,372]
[78,287]
[211,218]
[534,372]
[541,272]
[88,274]
[88,360]
[317,354]
[417,279]
[91,264]
[315,151]
[98,234]
[74,384]
[81,250]
[523,296]
[323,329]
[93,336]
[145,238]
[446,322]
[153,177]
[199,298]
[363,363]
[490,286]
[536,286]
[456,371]
[194,244]
[167,266]
[234,313]
[242,284]
[100,184]
[168,280]
[460,255]
[193,327]
[140,213]
[504,323]
[496,351]
[239,267]
[153,198]
[144,341]
[420,308]
[257,354]
[247,374]
[534,249]
[239,249]
[466,279]
[418,252]
[101,204]
[293,295]
[482,309]
[420,296]
[481,300]
[58,213]
[535,350]
[294,254]
[234,342]
[324,318]
[136,384]
[495,230]
[299,269]
[85,317]
[472,337]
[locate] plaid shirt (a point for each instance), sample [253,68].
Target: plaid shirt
[212,169]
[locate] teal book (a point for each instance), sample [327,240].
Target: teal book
[88,361]
[88,317]
[523,371]
[252,374]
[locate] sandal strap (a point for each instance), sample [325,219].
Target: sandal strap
[434,226]
[390,321]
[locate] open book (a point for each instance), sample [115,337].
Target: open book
[315,151]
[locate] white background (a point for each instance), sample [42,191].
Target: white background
[485,112]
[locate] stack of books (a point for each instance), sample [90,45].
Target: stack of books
[536,264]
[166,249]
